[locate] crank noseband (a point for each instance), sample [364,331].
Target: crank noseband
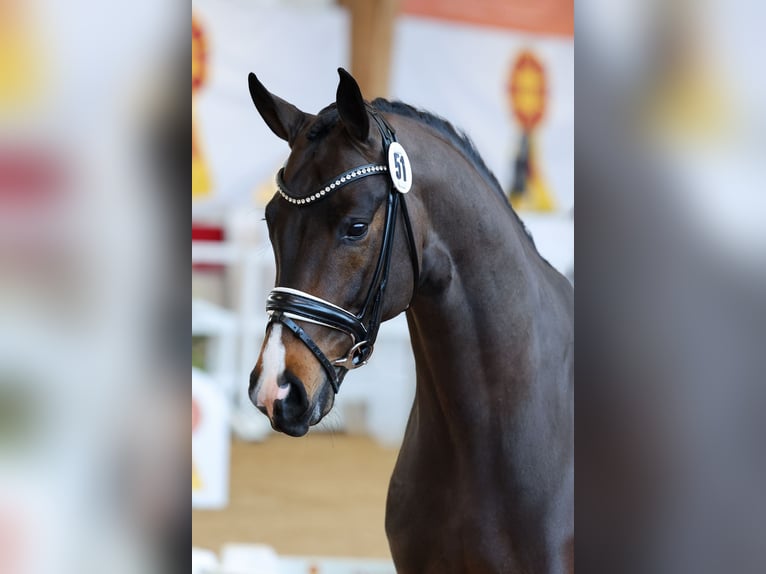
[286,305]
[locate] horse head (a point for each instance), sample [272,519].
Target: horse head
[332,229]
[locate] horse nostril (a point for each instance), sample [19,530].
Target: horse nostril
[295,401]
[283,391]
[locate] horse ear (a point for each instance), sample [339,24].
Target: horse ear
[284,119]
[351,107]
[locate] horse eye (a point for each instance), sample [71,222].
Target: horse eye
[356,230]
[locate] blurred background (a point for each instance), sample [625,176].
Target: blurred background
[94,271]
[93,384]
[501,71]
[671,289]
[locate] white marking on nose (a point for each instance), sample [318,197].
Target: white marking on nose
[273,364]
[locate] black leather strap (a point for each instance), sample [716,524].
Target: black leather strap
[379,278]
[413,247]
[332,374]
[389,135]
[317,311]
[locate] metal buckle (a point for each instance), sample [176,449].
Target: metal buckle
[356,357]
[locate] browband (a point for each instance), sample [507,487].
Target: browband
[331,186]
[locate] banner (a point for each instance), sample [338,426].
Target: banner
[511,90]
[542,17]
[295,51]
[20,59]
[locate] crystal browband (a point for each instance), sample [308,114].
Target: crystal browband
[343,179]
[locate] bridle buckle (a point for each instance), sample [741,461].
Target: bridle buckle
[357,356]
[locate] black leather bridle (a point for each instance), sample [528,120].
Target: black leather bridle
[286,305]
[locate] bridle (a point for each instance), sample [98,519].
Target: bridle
[286,305]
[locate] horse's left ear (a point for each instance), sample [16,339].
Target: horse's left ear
[351,107]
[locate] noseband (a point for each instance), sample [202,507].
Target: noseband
[286,305]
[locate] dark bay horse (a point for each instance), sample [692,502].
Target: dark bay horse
[381,209]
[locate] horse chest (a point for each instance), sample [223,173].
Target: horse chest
[448,514]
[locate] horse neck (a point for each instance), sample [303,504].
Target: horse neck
[479,319]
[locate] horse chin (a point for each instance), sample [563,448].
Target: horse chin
[301,428]
[295,429]
[323,404]
[316,416]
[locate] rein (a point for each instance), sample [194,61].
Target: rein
[286,305]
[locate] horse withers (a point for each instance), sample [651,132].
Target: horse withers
[382,209]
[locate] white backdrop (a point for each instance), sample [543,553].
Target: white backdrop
[293,51]
[460,71]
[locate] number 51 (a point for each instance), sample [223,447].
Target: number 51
[401,167]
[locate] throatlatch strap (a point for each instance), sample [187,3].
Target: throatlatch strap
[413,248]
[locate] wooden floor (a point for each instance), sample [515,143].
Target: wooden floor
[318,495]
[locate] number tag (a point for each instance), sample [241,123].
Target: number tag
[399,167]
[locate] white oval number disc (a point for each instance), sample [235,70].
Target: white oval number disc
[399,167]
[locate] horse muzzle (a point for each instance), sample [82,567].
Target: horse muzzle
[287,403]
